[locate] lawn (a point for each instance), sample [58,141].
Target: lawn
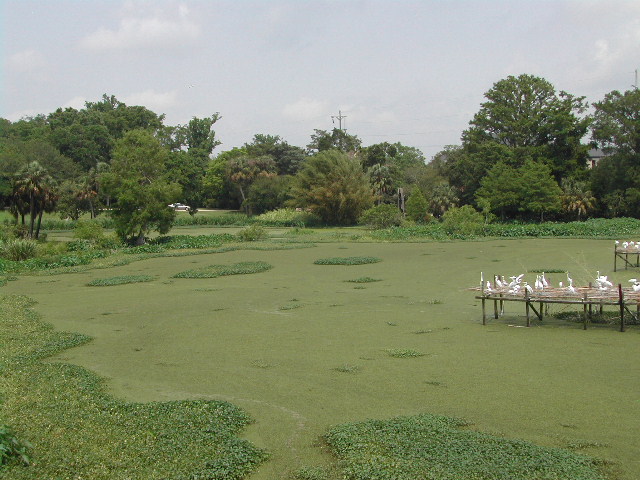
[303,347]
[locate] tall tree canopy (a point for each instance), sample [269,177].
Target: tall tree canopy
[332,185]
[336,139]
[137,181]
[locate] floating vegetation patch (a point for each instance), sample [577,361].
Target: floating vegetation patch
[437,448]
[435,383]
[347,368]
[213,271]
[347,260]
[121,280]
[364,280]
[290,306]
[420,332]
[403,353]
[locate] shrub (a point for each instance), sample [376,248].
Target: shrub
[288,217]
[463,221]
[88,230]
[19,249]
[381,216]
[252,233]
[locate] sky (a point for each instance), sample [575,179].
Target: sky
[413,72]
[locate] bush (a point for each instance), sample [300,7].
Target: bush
[381,216]
[19,249]
[252,233]
[88,230]
[288,217]
[463,222]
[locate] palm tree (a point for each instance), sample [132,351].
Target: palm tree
[576,198]
[32,186]
[442,198]
[380,178]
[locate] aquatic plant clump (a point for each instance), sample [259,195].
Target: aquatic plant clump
[437,448]
[214,271]
[121,280]
[347,260]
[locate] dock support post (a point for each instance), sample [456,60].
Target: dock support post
[621,300]
[584,300]
[526,301]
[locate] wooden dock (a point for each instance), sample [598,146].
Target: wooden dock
[625,299]
[624,253]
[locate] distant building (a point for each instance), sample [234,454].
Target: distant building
[595,155]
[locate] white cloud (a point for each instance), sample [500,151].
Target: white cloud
[305,109]
[138,31]
[155,101]
[26,61]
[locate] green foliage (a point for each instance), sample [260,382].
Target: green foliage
[173,242]
[417,206]
[267,193]
[252,233]
[347,368]
[136,181]
[120,280]
[89,230]
[224,219]
[79,431]
[311,473]
[403,353]
[347,260]
[364,280]
[18,249]
[288,217]
[333,186]
[437,448]
[463,221]
[214,271]
[12,449]
[381,216]
[337,139]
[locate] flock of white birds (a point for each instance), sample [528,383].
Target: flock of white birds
[517,285]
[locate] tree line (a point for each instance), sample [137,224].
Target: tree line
[524,156]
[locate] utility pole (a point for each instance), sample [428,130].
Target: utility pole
[340,117]
[635,85]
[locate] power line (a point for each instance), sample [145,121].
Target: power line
[339,117]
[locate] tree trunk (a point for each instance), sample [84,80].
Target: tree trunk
[32,213]
[39,223]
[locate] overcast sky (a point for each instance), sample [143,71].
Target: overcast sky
[408,71]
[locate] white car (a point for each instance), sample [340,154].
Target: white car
[180,206]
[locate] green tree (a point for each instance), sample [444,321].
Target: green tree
[616,126]
[34,186]
[137,181]
[577,198]
[539,191]
[288,158]
[337,139]
[334,187]
[381,181]
[242,171]
[268,193]
[500,189]
[441,198]
[417,206]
